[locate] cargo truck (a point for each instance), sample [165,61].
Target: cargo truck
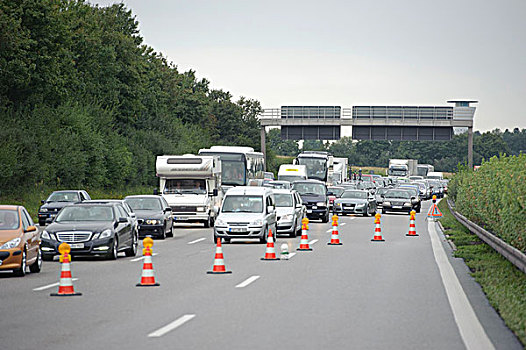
[402,167]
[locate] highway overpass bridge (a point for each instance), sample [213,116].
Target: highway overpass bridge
[402,123]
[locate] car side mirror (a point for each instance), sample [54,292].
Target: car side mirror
[155,191]
[43,201]
[270,209]
[167,209]
[31,229]
[299,205]
[215,192]
[140,221]
[382,195]
[123,220]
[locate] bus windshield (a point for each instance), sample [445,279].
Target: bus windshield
[233,168]
[316,168]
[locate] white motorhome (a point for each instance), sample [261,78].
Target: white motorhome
[291,173]
[190,185]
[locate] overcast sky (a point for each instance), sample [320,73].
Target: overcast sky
[345,53]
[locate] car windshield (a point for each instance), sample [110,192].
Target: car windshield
[283,199]
[381,190]
[85,213]
[335,191]
[411,190]
[183,186]
[309,188]
[316,167]
[144,203]
[63,197]
[8,219]
[291,178]
[354,194]
[276,184]
[242,204]
[397,194]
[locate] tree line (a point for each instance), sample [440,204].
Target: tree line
[85,103]
[444,155]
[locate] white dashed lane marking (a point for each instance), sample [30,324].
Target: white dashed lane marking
[142,257]
[247,281]
[50,285]
[197,240]
[171,326]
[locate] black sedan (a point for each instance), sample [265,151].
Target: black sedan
[91,229]
[154,215]
[397,200]
[355,202]
[58,200]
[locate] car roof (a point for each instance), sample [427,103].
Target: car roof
[9,207]
[240,190]
[310,181]
[59,191]
[283,191]
[104,201]
[143,196]
[92,204]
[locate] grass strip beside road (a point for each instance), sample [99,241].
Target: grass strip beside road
[501,281]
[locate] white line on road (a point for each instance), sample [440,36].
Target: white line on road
[343,224]
[313,241]
[291,255]
[142,257]
[50,285]
[329,231]
[197,240]
[247,282]
[471,331]
[171,326]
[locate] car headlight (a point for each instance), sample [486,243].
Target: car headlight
[407,204]
[153,221]
[220,222]
[43,210]
[321,204]
[360,205]
[257,222]
[387,203]
[200,208]
[287,217]
[105,234]
[45,235]
[11,244]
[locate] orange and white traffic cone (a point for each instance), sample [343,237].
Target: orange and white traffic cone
[304,242]
[377,230]
[219,263]
[147,277]
[270,252]
[65,288]
[335,238]
[412,227]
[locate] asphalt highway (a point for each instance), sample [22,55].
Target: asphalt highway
[404,293]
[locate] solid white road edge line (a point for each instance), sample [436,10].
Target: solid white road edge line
[313,241]
[197,240]
[142,257]
[247,281]
[50,285]
[471,331]
[171,326]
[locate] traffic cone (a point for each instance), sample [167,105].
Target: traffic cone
[377,230]
[270,252]
[434,212]
[147,277]
[412,227]
[65,288]
[304,242]
[219,263]
[335,238]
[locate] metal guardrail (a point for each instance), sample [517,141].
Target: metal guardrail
[515,256]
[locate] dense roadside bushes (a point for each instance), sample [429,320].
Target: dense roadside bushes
[501,281]
[494,196]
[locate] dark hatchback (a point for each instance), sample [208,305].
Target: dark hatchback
[91,229]
[154,215]
[314,196]
[397,200]
[58,200]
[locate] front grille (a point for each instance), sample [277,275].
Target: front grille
[73,237]
[237,223]
[184,209]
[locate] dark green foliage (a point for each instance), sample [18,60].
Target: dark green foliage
[83,102]
[502,282]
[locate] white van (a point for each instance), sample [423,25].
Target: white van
[435,175]
[291,173]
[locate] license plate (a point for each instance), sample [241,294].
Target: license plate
[397,207]
[314,207]
[309,211]
[76,245]
[237,230]
[180,218]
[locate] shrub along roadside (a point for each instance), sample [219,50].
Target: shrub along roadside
[501,281]
[31,198]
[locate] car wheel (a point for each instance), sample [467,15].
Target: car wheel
[47,257]
[366,212]
[37,265]
[114,250]
[265,235]
[384,211]
[171,232]
[293,233]
[42,223]
[163,232]
[207,223]
[23,264]
[418,209]
[325,218]
[132,251]
[215,239]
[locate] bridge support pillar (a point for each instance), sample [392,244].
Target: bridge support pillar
[470,147]
[263,145]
